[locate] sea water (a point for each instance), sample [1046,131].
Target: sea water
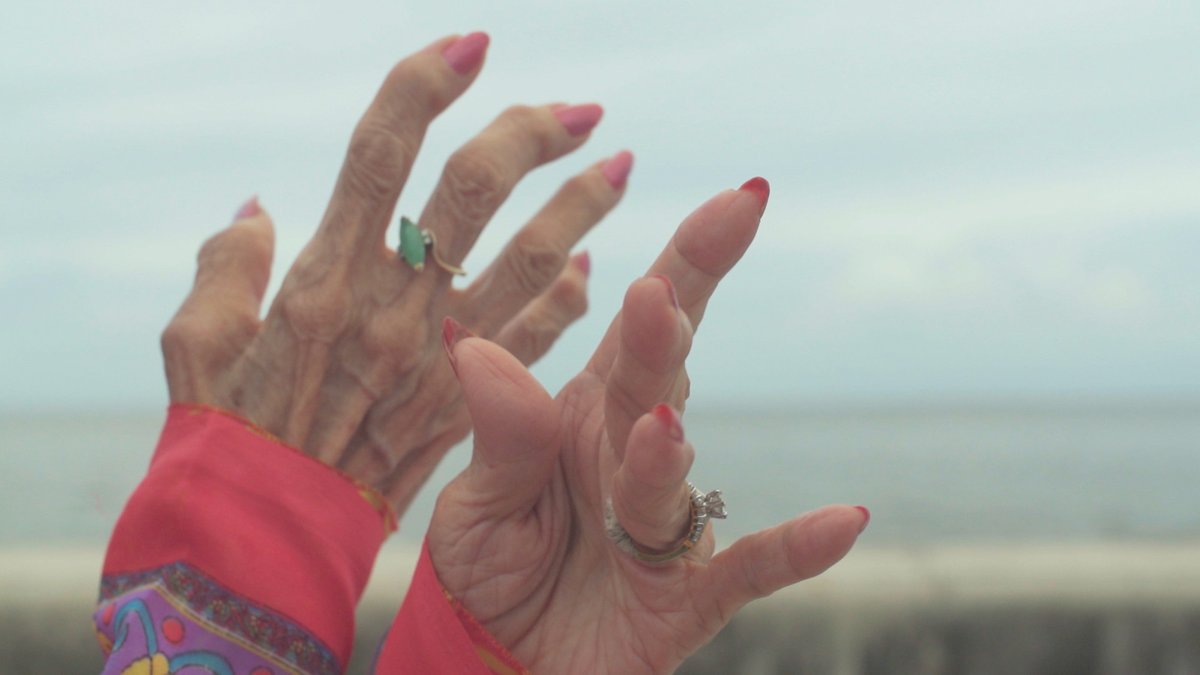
[931,475]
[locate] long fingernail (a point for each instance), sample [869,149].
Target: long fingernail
[579,119]
[670,289]
[616,169]
[452,332]
[249,209]
[670,419]
[866,518]
[466,53]
[761,188]
[583,261]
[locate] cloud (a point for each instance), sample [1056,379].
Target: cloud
[948,180]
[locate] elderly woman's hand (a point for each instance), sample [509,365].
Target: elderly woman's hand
[520,537]
[347,364]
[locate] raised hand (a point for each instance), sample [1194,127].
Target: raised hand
[519,537]
[346,365]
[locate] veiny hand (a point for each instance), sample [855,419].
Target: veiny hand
[347,364]
[519,536]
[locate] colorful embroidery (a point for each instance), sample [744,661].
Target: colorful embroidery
[137,637]
[187,602]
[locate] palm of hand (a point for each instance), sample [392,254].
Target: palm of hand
[550,577]
[519,536]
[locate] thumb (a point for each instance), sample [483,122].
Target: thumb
[514,418]
[220,315]
[235,264]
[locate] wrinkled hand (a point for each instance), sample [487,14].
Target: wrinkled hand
[347,364]
[519,536]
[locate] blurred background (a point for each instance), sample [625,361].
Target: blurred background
[973,305]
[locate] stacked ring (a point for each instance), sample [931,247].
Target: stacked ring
[702,507]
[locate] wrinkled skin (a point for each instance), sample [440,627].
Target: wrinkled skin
[347,364]
[519,536]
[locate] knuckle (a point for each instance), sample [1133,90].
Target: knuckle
[520,114]
[569,296]
[532,125]
[210,331]
[376,161]
[242,323]
[412,89]
[319,312]
[476,181]
[591,192]
[190,333]
[534,262]
[394,343]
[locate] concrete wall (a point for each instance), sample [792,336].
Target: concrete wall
[1118,609]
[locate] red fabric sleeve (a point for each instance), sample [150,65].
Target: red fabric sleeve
[279,531]
[434,633]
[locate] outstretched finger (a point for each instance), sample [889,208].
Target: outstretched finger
[649,495]
[480,175]
[385,142]
[531,333]
[536,255]
[515,423]
[704,249]
[654,340]
[759,564]
[221,313]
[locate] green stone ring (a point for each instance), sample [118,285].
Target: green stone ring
[414,242]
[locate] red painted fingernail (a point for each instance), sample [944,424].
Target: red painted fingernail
[466,53]
[761,188]
[670,419]
[617,168]
[452,332]
[579,119]
[249,209]
[866,517]
[670,289]
[584,262]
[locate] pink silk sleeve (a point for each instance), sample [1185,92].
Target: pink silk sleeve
[434,633]
[236,555]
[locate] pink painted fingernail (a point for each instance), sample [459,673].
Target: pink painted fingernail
[670,419]
[617,168]
[761,188]
[466,53]
[866,517]
[584,262]
[670,289]
[249,209]
[452,332]
[579,119]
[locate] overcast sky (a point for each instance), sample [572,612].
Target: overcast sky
[969,200]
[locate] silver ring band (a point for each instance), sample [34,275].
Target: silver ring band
[702,506]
